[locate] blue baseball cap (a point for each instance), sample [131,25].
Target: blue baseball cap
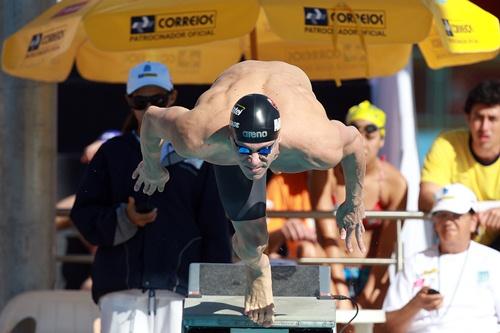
[149,74]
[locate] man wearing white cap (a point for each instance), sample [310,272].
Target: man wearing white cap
[453,286]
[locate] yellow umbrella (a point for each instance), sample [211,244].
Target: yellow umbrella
[159,23]
[46,49]
[347,59]
[354,38]
[464,27]
[295,31]
[437,56]
[462,33]
[362,59]
[200,38]
[353,58]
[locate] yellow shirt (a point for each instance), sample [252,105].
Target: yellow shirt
[450,160]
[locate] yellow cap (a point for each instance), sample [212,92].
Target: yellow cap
[369,112]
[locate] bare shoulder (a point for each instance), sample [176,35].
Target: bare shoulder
[194,133]
[313,141]
[205,125]
[336,139]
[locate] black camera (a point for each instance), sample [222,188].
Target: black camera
[431,291]
[144,206]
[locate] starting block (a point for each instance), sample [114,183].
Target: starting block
[302,300]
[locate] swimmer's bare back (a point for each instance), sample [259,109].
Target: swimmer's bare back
[308,140]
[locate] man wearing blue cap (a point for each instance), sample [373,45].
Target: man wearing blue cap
[257,116]
[146,243]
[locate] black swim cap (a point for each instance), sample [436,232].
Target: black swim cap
[254,119]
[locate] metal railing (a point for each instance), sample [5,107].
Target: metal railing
[75,258]
[396,216]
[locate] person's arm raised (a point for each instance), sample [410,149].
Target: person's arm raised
[352,211]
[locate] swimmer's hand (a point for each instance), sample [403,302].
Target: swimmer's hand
[349,218]
[153,178]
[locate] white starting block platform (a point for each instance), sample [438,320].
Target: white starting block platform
[216,294]
[291,312]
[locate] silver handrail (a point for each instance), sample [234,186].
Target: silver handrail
[387,215]
[322,214]
[352,261]
[76,258]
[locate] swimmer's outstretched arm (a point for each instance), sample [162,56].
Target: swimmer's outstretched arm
[351,212]
[157,124]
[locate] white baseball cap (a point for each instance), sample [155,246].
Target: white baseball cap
[455,198]
[149,74]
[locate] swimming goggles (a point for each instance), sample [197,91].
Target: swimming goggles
[264,151]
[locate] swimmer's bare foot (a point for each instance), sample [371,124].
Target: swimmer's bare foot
[259,303]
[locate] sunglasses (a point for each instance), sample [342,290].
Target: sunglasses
[264,151]
[368,129]
[139,102]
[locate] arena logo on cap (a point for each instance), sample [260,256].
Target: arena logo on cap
[254,134]
[234,124]
[238,109]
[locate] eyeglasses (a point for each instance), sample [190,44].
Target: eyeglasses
[264,151]
[368,129]
[139,102]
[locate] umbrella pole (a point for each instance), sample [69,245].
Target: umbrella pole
[253,44]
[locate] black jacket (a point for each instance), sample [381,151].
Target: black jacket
[191,225]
